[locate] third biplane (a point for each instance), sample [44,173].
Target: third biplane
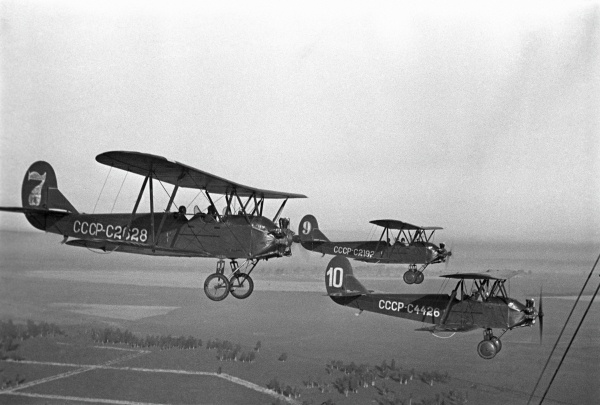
[399,243]
[240,231]
[484,304]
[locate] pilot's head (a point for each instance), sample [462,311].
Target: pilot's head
[442,245]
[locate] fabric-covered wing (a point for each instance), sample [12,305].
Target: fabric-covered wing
[172,172]
[399,225]
[448,328]
[133,247]
[488,275]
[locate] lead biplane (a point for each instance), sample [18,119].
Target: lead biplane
[399,243]
[484,305]
[244,234]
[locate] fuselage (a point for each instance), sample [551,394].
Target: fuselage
[233,236]
[464,314]
[378,251]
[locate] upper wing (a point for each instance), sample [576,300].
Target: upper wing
[488,275]
[172,172]
[394,224]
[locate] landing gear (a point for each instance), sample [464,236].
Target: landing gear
[241,286]
[489,346]
[217,286]
[409,277]
[414,276]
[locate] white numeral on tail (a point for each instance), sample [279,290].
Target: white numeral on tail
[306,227]
[336,276]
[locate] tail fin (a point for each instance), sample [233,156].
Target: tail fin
[40,191]
[340,281]
[308,230]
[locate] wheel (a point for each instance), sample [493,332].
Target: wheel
[419,277]
[216,287]
[497,343]
[486,349]
[409,277]
[241,286]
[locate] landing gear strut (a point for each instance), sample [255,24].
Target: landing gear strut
[489,346]
[217,286]
[414,276]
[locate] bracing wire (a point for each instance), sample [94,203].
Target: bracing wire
[194,199]
[562,331]
[119,192]
[102,189]
[95,205]
[570,342]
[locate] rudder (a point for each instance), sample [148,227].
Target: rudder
[40,189]
[308,230]
[340,280]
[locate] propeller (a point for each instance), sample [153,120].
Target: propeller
[297,248]
[448,256]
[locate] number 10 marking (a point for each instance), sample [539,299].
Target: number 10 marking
[336,276]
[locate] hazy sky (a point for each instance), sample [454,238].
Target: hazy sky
[481,119]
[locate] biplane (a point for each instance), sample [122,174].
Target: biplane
[484,305]
[239,231]
[399,243]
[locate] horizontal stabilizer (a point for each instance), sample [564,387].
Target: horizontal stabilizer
[42,211]
[346,294]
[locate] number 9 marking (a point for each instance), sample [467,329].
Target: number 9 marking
[306,227]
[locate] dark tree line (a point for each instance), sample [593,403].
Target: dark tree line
[11,333]
[114,336]
[227,351]
[283,389]
[354,377]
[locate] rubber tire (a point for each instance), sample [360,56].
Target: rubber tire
[409,277]
[420,277]
[486,349]
[497,343]
[236,280]
[220,282]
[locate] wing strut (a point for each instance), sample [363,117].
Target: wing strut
[137,202]
[447,310]
[152,205]
[280,209]
[213,204]
[243,207]
[164,217]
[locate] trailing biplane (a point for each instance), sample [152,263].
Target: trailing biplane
[244,234]
[399,243]
[484,305]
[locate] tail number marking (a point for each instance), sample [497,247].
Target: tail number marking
[396,306]
[306,227]
[111,231]
[336,277]
[350,251]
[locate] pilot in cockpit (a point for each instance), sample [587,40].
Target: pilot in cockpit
[211,213]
